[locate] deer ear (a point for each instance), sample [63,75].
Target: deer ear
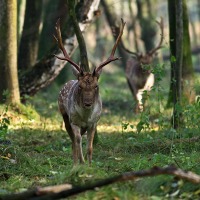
[96,73]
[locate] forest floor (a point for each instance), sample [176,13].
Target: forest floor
[37,151]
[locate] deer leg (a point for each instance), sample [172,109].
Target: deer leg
[71,135]
[134,92]
[90,138]
[76,139]
[139,98]
[78,152]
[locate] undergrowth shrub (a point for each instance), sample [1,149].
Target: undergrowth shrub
[4,123]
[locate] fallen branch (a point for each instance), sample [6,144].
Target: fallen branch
[37,192]
[170,170]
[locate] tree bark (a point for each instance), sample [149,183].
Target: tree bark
[172,42]
[177,89]
[148,26]
[8,51]
[188,70]
[53,10]
[111,18]
[79,36]
[21,4]
[28,48]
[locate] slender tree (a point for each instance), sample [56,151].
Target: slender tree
[21,4]
[188,70]
[79,35]
[52,10]
[28,48]
[133,26]
[8,51]
[172,42]
[147,24]
[187,75]
[111,19]
[176,47]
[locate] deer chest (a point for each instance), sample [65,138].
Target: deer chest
[85,118]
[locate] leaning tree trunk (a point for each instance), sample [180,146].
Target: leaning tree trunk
[8,51]
[79,36]
[47,69]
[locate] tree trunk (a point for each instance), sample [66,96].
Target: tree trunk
[8,51]
[21,4]
[133,26]
[177,93]
[53,10]
[188,70]
[147,24]
[79,36]
[111,21]
[188,93]
[47,69]
[172,41]
[28,48]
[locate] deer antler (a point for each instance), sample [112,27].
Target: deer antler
[137,55]
[161,25]
[61,46]
[111,58]
[151,52]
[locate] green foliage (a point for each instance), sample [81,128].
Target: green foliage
[144,123]
[173,59]
[26,111]
[4,123]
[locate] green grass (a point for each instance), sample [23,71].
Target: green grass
[38,151]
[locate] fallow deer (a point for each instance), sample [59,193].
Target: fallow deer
[79,101]
[140,79]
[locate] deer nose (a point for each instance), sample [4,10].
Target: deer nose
[88,104]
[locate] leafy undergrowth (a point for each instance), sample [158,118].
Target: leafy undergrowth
[35,151]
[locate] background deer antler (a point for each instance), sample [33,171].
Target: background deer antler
[151,52]
[161,25]
[111,57]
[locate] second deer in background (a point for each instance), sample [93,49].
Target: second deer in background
[138,77]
